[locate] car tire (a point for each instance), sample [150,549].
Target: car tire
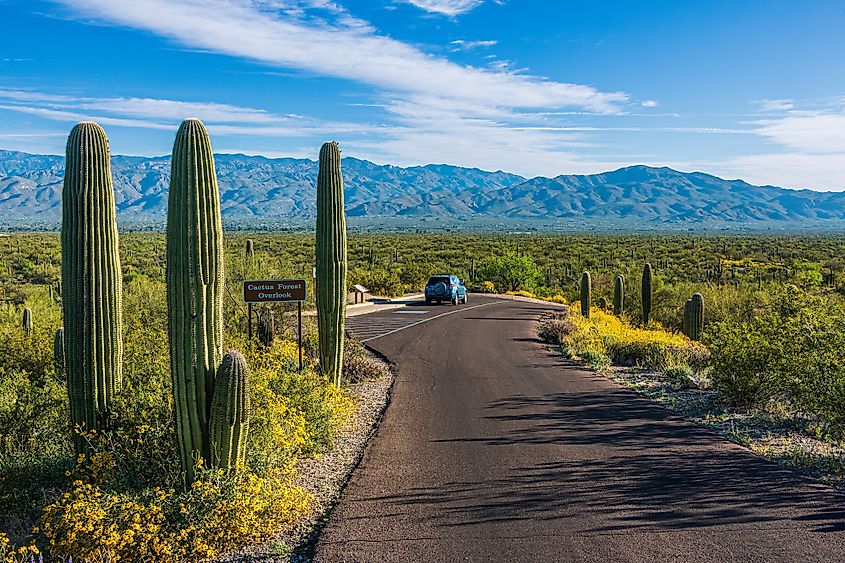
[455,300]
[465,299]
[428,301]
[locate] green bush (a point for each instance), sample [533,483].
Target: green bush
[509,272]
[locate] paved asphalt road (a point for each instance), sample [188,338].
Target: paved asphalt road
[494,448]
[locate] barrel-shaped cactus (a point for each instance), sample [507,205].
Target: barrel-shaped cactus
[26,321]
[619,295]
[59,353]
[266,327]
[696,316]
[331,262]
[194,288]
[91,280]
[230,412]
[586,294]
[646,293]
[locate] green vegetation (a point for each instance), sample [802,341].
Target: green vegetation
[771,338]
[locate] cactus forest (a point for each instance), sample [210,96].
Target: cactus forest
[137,416]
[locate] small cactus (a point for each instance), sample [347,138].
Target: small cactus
[26,321]
[646,293]
[230,412]
[250,248]
[266,327]
[619,295]
[586,294]
[331,262]
[59,353]
[696,316]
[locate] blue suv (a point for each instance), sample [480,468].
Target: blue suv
[445,287]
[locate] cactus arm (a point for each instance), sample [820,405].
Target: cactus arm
[230,412]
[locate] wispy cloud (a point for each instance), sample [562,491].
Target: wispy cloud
[464,45]
[446,7]
[159,114]
[258,32]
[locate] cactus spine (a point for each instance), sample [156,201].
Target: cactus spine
[59,353]
[194,288]
[646,293]
[331,262]
[619,295]
[26,321]
[230,412]
[91,279]
[586,294]
[696,316]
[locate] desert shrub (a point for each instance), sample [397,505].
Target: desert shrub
[554,330]
[378,281]
[217,513]
[794,352]
[359,364]
[652,348]
[487,287]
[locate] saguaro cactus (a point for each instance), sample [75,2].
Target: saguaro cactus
[26,321]
[646,293]
[250,248]
[331,262]
[194,288]
[59,352]
[686,321]
[230,412]
[266,327]
[91,279]
[619,295]
[696,316]
[586,294]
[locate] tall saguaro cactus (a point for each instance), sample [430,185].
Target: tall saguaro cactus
[331,262]
[230,412]
[619,295]
[91,279]
[586,294]
[646,293]
[696,316]
[194,288]
[26,321]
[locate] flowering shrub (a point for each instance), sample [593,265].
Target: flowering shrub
[654,348]
[218,513]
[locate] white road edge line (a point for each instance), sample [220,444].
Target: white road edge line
[429,319]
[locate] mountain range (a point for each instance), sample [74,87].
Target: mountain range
[277,193]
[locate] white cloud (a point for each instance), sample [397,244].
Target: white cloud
[446,7]
[650,104]
[463,45]
[775,105]
[820,134]
[242,28]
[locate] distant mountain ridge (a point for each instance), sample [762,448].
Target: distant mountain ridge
[260,191]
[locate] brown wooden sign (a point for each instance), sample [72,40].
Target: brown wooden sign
[274,291]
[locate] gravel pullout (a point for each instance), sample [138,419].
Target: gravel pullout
[324,477]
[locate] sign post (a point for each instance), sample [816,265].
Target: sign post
[277,291]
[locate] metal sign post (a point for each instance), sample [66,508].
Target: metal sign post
[277,291]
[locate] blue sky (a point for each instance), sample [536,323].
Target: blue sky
[751,89]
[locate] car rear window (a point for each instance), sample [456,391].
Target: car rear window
[439,279]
